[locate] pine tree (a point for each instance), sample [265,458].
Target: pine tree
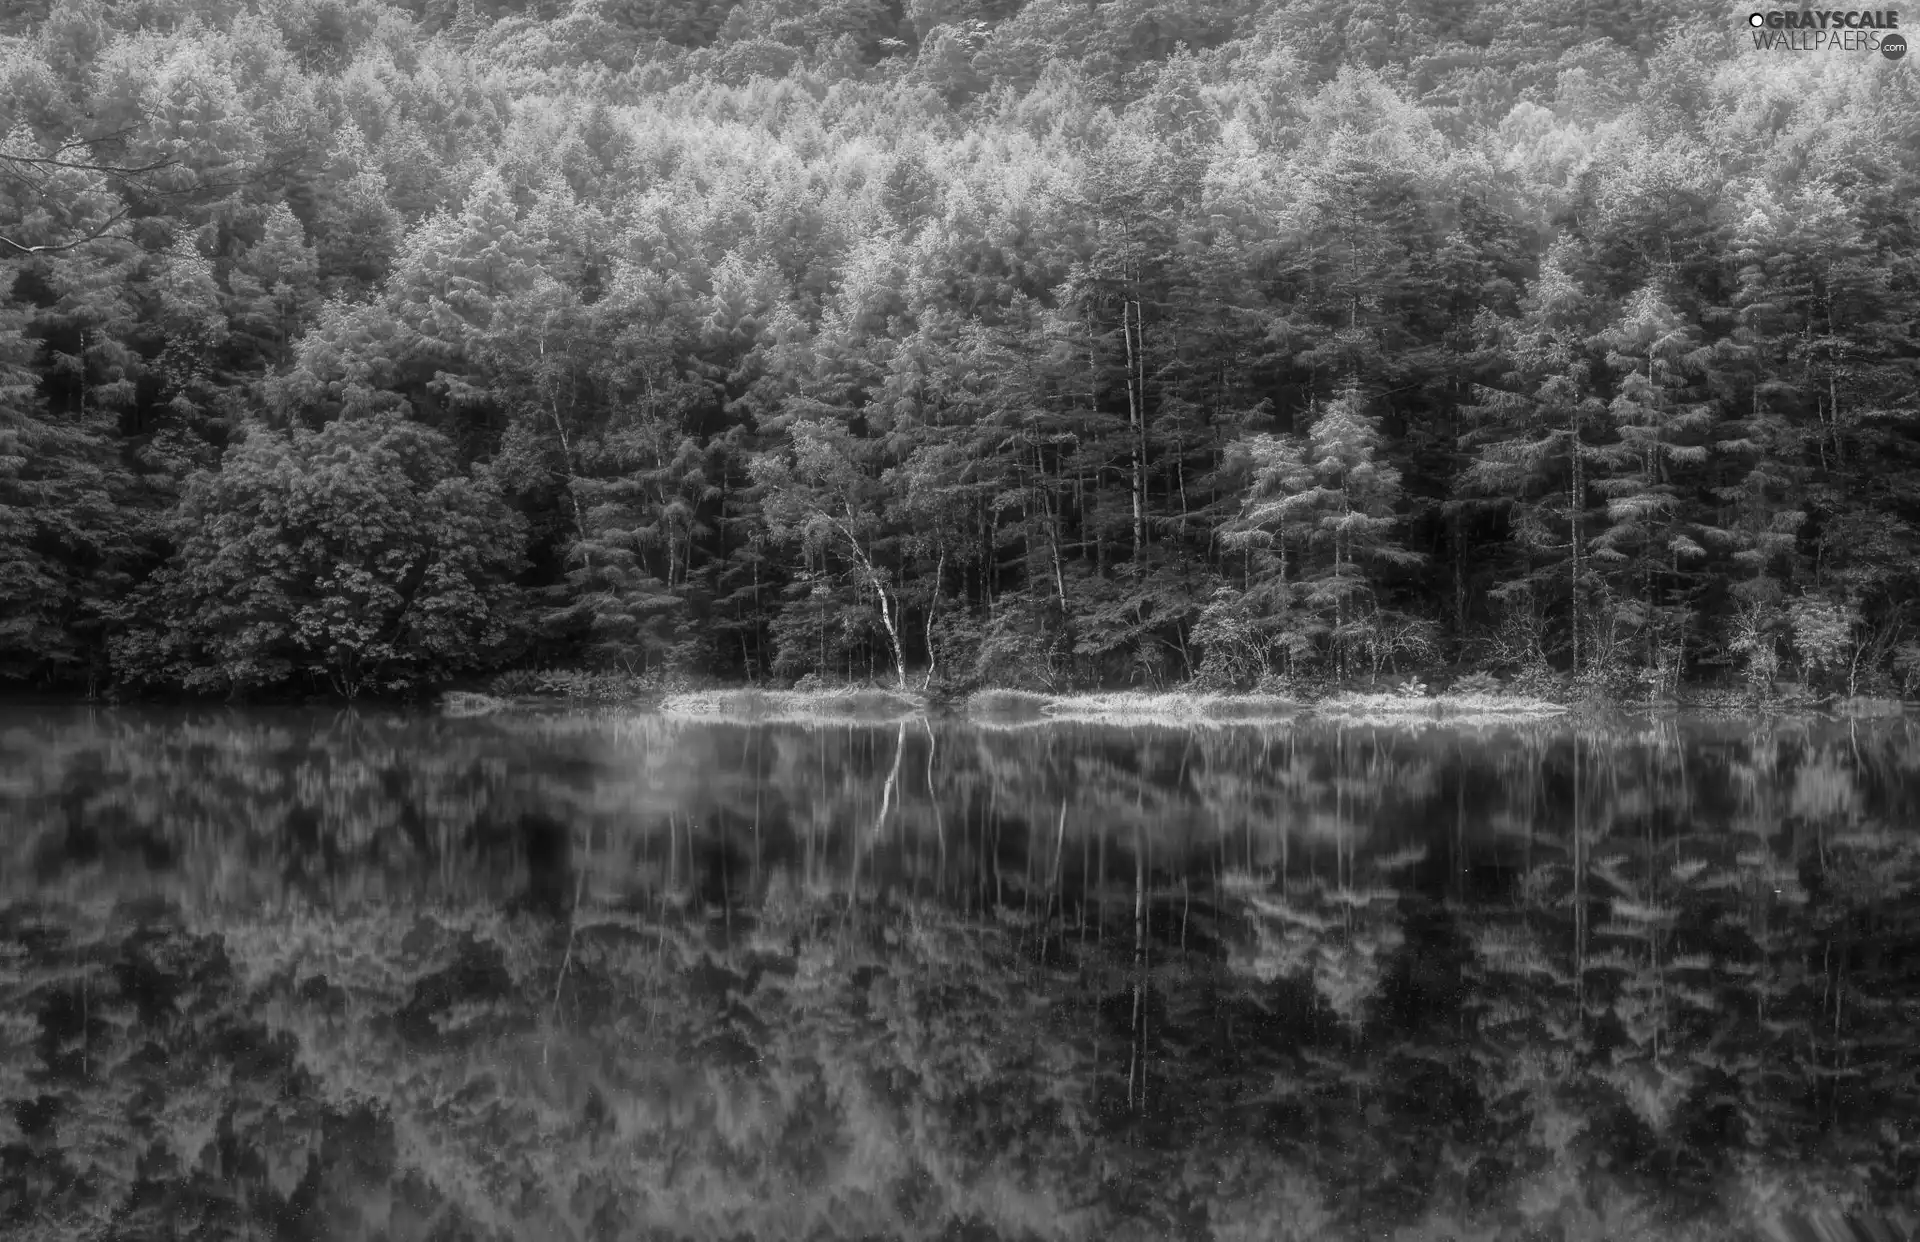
[1658,538]
[1360,235]
[1762,444]
[1852,363]
[68,504]
[272,287]
[356,235]
[1533,445]
[1332,494]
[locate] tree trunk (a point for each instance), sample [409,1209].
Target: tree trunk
[1137,424]
[1577,535]
[1339,606]
[933,602]
[889,617]
[1137,1096]
[889,603]
[1054,503]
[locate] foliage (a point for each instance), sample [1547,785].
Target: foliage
[1823,633]
[357,554]
[965,340]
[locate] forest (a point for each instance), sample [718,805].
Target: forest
[357,348]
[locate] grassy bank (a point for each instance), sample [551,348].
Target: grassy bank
[1190,709]
[1005,708]
[796,706]
[1023,708]
[1172,707]
[1471,707]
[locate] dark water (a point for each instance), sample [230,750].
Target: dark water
[317,975]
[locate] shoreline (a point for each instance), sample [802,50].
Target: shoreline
[1019,709]
[1015,709]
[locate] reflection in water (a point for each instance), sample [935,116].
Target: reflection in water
[314,975]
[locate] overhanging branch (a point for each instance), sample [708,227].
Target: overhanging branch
[16,249]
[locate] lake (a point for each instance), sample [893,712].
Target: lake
[317,974]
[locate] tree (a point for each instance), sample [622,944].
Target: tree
[66,528]
[1654,527]
[1531,449]
[272,289]
[816,495]
[1332,496]
[358,556]
[1039,267]
[69,370]
[31,171]
[1763,442]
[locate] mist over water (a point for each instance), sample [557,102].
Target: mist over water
[579,976]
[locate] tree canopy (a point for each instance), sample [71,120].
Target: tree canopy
[1003,342]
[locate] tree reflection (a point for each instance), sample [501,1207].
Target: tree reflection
[572,977]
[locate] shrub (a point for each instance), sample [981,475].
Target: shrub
[1756,640]
[1823,633]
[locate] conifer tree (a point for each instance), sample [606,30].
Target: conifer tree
[272,287]
[1065,295]
[1333,494]
[1657,540]
[1534,444]
[1763,445]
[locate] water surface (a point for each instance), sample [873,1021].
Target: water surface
[361,975]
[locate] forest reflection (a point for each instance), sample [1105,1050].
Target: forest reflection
[581,976]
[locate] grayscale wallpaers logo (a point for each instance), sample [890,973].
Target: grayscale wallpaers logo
[1826,30]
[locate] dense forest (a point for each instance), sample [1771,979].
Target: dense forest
[350,347]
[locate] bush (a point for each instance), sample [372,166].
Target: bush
[1016,650]
[1234,643]
[1823,633]
[1394,637]
[1906,667]
[515,682]
[590,686]
[1756,640]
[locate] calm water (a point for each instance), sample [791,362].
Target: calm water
[320,975]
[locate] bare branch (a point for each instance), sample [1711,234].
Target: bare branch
[117,135]
[18,250]
[111,170]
